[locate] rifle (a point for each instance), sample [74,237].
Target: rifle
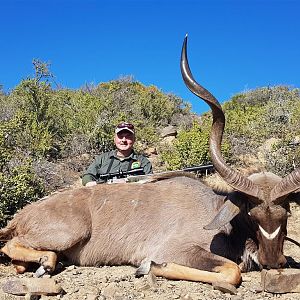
[135,175]
[201,169]
[120,174]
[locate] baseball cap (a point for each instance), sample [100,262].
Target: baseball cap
[125,126]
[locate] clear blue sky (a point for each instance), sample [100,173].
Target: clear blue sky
[234,45]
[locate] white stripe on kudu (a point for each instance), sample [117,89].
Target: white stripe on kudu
[269,236]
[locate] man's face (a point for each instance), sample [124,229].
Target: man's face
[124,140]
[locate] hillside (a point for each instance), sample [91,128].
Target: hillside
[49,134]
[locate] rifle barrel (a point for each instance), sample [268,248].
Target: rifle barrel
[199,168]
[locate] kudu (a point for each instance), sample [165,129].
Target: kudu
[175,226]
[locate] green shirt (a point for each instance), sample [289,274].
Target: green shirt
[103,161]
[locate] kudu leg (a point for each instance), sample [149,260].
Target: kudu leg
[21,254]
[228,272]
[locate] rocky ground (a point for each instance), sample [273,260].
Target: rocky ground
[120,283]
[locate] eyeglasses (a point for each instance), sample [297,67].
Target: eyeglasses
[125,125]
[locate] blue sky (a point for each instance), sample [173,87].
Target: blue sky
[234,45]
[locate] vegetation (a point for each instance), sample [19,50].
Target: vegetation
[46,132]
[264,123]
[191,147]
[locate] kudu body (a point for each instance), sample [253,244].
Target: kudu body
[176,227]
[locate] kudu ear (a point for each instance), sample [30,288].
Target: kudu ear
[226,213]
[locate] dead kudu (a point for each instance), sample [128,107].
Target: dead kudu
[177,227]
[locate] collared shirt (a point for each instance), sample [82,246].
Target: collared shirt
[110,160]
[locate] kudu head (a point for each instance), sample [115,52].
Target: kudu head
[266,194]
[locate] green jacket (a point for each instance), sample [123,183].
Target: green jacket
[109,160]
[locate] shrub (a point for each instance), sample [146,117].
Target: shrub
[191,147]
[18,186]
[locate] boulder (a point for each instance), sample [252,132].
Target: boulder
[32,286]
[224,287]
[168,131]
[281,281]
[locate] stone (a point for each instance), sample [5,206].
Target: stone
[281,281]
[168,131]
[150,151]
[152,280]
[32,286]
[186,297]
[224,287]
[169,140]
[110,291]
[92,297]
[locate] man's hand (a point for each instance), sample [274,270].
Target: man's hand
[91,183]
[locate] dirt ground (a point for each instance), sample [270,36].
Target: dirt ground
[120,283]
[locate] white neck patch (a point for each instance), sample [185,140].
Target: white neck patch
[269,236]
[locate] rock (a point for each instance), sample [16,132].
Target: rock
[168,140]
[270,143]
[93,293]
[256,288]
[296,141]
[281,281]
[266,148]
[168,131]
[110,291]
[236,298]
[92,297]
[186,297]
[152,280]
[33,286]
[85,156]
[224,287]
[71,268]
[150,151]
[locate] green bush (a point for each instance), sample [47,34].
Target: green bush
[18,186]
[45,130]
[256,116]
[190,148]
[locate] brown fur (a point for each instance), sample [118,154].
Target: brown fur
[117,224]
